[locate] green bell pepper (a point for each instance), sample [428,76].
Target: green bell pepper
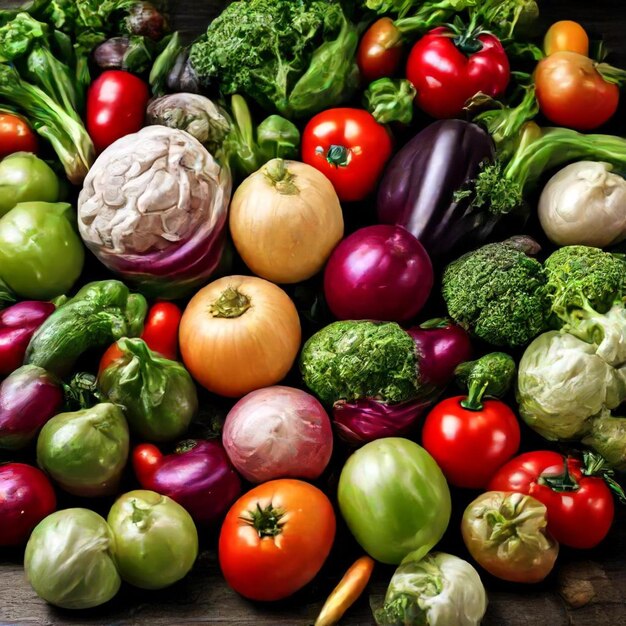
[99,314]
[41,254]
[158,395]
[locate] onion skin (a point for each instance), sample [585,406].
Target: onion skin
[18,324]
[380,272]
[199,476]
[441,346]
[29,397]
[278,432]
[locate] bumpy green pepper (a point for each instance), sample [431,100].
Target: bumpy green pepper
[99,314]
[41,254]
[26,178]
[85,452]
[158,395]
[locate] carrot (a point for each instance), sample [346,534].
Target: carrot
[346,593]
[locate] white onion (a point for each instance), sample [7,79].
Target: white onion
[278,432]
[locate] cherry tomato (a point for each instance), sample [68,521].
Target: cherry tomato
[571,92]
[275,539]
[566,36]
[350,147]
[380,50]
[26,497]
[146,459]
[160,332]
[470,445]
[447,71]
[580,508]
[15,135]
[116,106]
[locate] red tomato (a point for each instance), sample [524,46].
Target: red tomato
[580,508]
[26,497]
[160,332]
[116,106]
[571,92]
[350,147]
[380,50]
[447,72]
[15,135]
[275,539]
[470,445]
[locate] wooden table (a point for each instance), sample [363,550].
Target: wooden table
[588,588]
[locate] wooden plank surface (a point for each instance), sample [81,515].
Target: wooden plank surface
[587,589]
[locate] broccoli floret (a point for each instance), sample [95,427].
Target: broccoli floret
[359,359]
[498,292]
[491,375]
[582,277]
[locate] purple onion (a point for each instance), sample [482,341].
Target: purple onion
[29,397]
[200,477]
[380,273]
[18,324]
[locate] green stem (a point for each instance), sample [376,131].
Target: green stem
[595,465]
[560,482]
[475,393]
[185,446]
[266,521]
[231,304]
[339,156]
[611,74]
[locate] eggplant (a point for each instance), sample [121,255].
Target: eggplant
[419,187]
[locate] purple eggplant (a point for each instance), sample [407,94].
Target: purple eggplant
[18,324]
[419,189]
[199,476]
[378,378]
[29,397]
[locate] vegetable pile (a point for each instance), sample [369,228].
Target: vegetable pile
[309,280]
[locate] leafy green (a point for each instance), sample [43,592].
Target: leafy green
[6,295]
[361,359]
[498,293]
[390,100]
[302,60]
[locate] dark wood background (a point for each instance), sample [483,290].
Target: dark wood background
[587,588]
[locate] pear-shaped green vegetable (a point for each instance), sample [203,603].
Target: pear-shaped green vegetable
[85,452]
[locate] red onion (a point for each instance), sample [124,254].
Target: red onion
[18,324]
[379,272]
[278,432]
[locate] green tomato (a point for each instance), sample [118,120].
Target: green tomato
[41,254]
[85,452]
[69,560]
[26,178]
[394,499]
[156,541]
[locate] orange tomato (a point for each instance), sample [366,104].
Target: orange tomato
[15,135]
[566,36]
[275,539]
[238,334]
[571,91]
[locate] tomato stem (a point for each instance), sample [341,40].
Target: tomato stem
[560,482]
[230,304]
[339,156]
[475,392]
[266,521]
[595,465]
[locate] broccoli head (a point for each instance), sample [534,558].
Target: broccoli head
[498,292]
[582,277]
[491,375]
[352,360]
